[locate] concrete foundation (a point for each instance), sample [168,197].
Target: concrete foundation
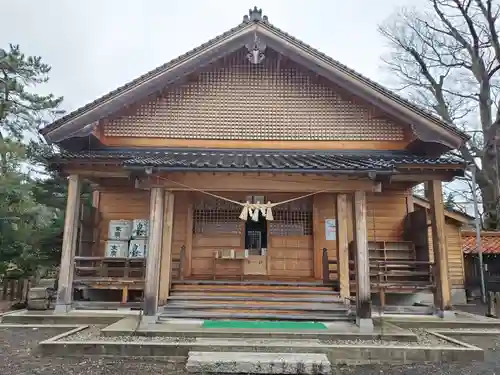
[365,325]
[62,308]
[458,297]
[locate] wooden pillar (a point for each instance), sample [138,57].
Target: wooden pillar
[343,248]
[66,268]
[363,294]
[188,255]
[442,294]
[153,259]
[96,198]
[166,252]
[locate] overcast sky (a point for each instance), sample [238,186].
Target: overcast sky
[95,46]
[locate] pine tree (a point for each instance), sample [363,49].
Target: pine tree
[30,222]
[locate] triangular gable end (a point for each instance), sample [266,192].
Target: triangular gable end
[426,128]
[235,99]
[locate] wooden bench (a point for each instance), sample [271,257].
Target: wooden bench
[110,273]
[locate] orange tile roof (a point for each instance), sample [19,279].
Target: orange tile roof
[490,242]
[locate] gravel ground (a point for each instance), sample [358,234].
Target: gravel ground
[93,334]
[18,356]
[423,339]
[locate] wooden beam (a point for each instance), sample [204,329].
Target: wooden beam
[258,182]
[188,255]
[66,270]
[343,247]
[250,144]
[425,175]
[96,171]
[442,295]
[166,254]
[151,287]
[363,294]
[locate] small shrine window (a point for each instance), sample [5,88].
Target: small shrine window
[292,219]
[216,216]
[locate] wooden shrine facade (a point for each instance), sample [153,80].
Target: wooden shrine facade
[322,160]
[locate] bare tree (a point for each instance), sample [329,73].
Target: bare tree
[446,58]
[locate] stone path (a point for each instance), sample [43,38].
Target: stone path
[257,363]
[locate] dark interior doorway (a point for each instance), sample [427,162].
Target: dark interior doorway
[256,235]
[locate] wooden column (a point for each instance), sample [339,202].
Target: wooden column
[363,294]
[188,255]
[442,294]
[153,259]
[343,247]
[166,253]
[96,197]
[66,269]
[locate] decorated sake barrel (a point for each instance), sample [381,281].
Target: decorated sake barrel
[140,228]
[119,230]
[116,249]
[138,248]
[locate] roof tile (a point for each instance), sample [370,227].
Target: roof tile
[490,242]
[259,160]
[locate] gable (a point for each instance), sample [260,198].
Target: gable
[235,100]
[431,134]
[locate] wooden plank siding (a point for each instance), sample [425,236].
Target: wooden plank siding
[385,215]
[204,247]
[291,256]
[120,204]
[324,207]
[179,235]
[455,256]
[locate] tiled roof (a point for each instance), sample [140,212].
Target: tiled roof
[260,159]
[266,24]
[490,242]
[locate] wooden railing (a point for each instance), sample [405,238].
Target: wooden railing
[328,271]
[178,265]
[396,276]
[123,274]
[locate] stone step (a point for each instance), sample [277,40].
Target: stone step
[249,282]
[232,314]
[227,290]
[250,305]
[250,287]
[257,363]
[290,299]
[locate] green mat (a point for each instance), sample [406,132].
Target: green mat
[263,324]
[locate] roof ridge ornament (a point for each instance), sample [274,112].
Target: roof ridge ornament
[254,15]
[256,50]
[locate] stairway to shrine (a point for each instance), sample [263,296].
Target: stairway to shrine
[261,300]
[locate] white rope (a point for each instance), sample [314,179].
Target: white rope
[248,209]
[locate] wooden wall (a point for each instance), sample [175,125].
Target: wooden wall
[324,207]
[291,257]
[295,255]
[386,212]
[181,206]
[116,204]
[455,254]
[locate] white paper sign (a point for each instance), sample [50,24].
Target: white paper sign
[331,229]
